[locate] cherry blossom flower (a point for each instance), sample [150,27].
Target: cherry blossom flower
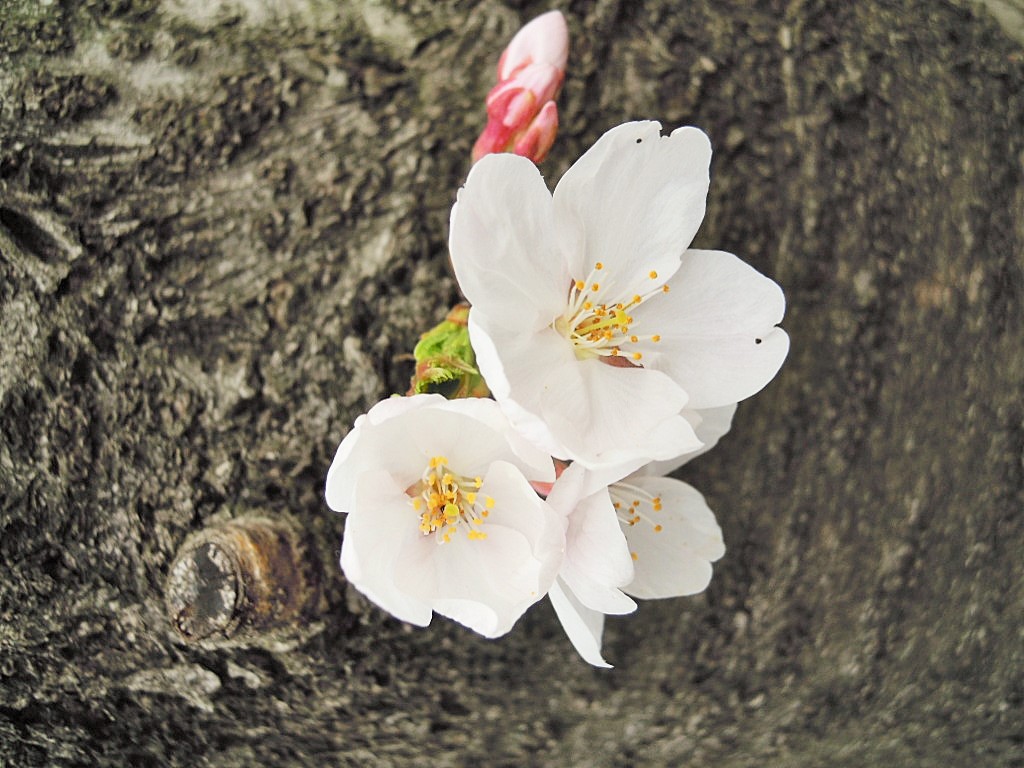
[521,112]
[441,514]
[593,323]
[643,536]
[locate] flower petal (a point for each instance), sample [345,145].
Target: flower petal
[710,424]
[530,360]
[597,560]
[535,463]
[676,560]
[582,625]
[502,244]
[382,524]
[400,435]
[719,339]
[633,201]
[603,414]
[374,443]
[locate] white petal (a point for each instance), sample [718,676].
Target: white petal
[583,626]
[677,560]
[719,339]
[634,201]
[603,414]
[518,507]
[376,443]
[502,244]
[597,560]
[710,424]
[380,526]
[471,432]
[518,368]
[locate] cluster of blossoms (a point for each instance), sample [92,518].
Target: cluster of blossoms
[614,354]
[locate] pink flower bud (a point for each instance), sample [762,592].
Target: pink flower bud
[521,112]
[545,40]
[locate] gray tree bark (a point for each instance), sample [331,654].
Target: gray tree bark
[222,225]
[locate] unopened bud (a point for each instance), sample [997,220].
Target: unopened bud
[521,112]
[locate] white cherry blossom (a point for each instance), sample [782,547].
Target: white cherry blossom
[643,536]
[441,514]
[593,323]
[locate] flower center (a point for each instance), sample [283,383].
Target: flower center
[599,325]
[448,502]
[634,505]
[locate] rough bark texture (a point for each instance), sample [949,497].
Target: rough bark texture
[222,224]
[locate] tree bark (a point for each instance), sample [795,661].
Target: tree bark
[223,226]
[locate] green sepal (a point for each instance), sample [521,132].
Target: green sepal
[445,363]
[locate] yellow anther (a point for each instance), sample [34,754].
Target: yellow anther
[655,338]
[657,529]
[580,285]
[484,513]
[664,288]
[636,356]
[634,339]
[470,497]
[417,503]
[637,299]
[599,265]
[652,274]
[634,555]
[488,502]
[595,287]
[587,305]
[478,481]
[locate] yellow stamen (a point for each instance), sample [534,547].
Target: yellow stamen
[443,506]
